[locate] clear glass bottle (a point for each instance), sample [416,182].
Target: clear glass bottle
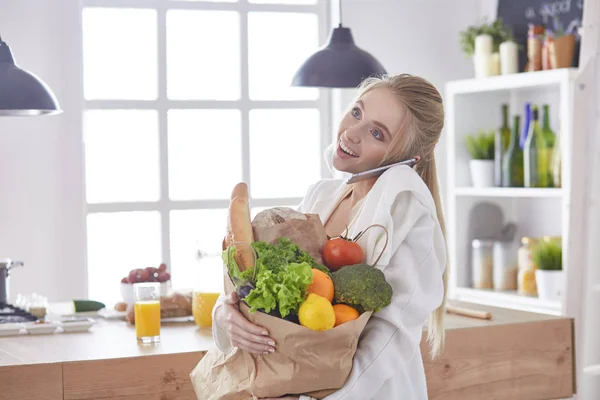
[512,162]
[535,154]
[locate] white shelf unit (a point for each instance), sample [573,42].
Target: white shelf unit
[473,105]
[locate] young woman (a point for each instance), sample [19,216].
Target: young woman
[394,118]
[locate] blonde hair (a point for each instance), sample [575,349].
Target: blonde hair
[419,134]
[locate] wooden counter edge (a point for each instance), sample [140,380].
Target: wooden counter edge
[521,361]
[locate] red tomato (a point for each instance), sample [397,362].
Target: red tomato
[339,252]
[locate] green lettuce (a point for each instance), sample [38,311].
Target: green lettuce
[284,290]
[283,274]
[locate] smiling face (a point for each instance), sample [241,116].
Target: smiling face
[366,131]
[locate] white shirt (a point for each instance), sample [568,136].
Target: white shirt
[388,362]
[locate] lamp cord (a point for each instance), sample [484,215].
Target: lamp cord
[340,12]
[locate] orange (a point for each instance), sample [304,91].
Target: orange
[321,285]
[344,313]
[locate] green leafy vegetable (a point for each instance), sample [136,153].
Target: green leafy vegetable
[283,274]
[285,289]
[234,270]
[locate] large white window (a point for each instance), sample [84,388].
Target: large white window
[183,99]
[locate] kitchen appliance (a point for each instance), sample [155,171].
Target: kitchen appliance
[5,266]
[10,313]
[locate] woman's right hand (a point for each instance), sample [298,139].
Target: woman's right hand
[241,332]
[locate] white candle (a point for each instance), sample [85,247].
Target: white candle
[483,44]
[483,65]
[509,58]
[495,67]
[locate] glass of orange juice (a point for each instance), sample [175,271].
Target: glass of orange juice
[147,311]
[208,286]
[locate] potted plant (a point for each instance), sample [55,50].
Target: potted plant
[481,165]
[547,257]
[486,60]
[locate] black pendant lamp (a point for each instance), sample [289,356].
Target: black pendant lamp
[21,92]
[338,64]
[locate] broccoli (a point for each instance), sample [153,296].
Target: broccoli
[361,286]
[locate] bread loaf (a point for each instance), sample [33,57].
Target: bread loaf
[239,190]
[276,215]
[305,230]
[240,227]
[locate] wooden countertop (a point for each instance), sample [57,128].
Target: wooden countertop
[519,354]
[110,339]
[107,339]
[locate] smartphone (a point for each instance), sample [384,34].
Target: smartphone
[378,171]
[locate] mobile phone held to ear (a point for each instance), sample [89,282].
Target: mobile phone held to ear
[379,170]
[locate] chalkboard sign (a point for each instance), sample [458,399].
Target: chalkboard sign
[518,14]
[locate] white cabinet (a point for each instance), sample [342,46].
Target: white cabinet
[476,104]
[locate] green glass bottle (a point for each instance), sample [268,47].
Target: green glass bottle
[501,142]
[512,162]
[535,154]
[550,138]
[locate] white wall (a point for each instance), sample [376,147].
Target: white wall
[419,37]
[41,205]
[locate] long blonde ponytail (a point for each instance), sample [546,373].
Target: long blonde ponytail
[419,135]
[435,330]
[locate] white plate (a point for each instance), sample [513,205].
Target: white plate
[10,329]
[78,326]
[41,329]
[112,313]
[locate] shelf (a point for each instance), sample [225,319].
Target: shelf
[507,299]
[507,192]
[521,80]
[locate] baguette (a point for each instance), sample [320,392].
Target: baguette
[239,190]
[241,232]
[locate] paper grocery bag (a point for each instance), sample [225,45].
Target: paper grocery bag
[220,376]
[305,362]
[307,232]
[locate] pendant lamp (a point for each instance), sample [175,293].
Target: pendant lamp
[21,92]
[338,64]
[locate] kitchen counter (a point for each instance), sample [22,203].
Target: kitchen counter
[515,355]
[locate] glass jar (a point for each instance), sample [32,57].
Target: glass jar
[505,266]
[526,277]
[482,264]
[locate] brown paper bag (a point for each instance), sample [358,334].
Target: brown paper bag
[305,362]
[220,376]
[307,233]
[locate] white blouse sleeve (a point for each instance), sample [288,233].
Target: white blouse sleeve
[220,337]
[392,336]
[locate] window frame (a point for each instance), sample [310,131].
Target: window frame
[163,104]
